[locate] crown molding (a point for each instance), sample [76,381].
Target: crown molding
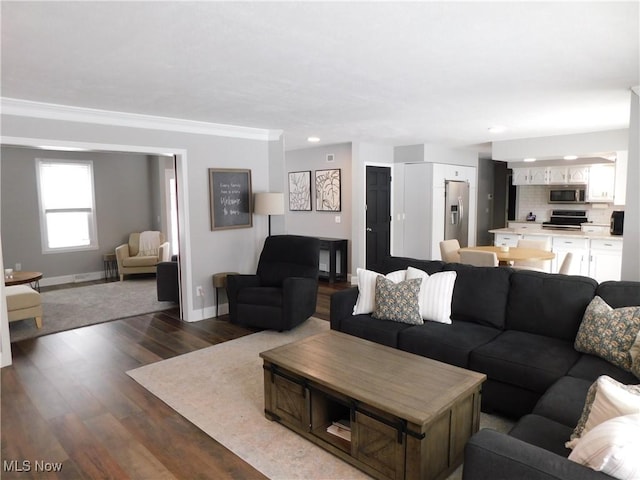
[51,111]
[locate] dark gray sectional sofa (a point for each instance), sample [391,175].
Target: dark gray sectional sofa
[518,327]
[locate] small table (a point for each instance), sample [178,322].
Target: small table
[514,253]
[335,245]
[110,265]
[220,281]
[20,277]
[409,416]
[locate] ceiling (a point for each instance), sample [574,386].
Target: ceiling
[389,73]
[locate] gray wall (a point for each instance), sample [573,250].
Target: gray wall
[123,195]
[314,223]
[485,202]
[203,252]
[321,224]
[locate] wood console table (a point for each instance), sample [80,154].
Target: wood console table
[409,416]
[334,245]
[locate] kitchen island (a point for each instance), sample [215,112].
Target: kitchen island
[596,253]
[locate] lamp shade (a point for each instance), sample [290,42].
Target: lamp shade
[269,203]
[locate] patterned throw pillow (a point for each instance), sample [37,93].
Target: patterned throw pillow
[609,333]
[366,301]
[398,301]
[606,399]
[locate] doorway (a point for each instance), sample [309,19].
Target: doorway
[378,216]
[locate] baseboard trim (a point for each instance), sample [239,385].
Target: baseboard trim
[74,278]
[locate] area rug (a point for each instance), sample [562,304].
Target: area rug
[220,390]
[75,307]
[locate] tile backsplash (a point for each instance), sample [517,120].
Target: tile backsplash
[533,198]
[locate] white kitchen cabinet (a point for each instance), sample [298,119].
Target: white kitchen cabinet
[506,239]
[578,174]
[620,184]
[529,226]
[530,176]
[558,175]
[561,245]
[601,184]
[605,262]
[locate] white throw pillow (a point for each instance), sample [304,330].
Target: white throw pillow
[366,302]
[613,447]
[606,399]
[436,293]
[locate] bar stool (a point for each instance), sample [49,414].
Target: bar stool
[220,281]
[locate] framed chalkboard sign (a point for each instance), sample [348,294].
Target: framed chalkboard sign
[230,198]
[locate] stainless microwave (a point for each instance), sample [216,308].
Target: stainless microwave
[575,194]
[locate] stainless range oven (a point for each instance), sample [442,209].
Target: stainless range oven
[566,220]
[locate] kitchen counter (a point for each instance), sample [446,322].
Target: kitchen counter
[556,233]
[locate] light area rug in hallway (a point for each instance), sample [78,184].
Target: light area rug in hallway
[75,307]
[220,390]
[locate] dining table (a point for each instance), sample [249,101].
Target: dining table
[508,255]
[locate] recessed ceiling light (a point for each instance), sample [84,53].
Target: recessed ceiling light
[570,157]
[497,129]
[529,159]
[313,139]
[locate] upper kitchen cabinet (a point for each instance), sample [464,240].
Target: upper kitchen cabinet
[601,184]
[531,176]
[568,175]
[553,175]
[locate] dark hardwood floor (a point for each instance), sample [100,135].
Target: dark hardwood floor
[69,410]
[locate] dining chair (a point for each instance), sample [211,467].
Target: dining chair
[566,264]
[478,258]
[537,265]
[449,251]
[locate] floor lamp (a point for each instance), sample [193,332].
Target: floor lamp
[269,204]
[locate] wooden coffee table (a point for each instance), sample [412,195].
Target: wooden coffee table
[20,277]
[409,416]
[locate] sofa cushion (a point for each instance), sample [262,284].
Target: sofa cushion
[391,264]
[140,261]
[548,304]
[398,302]
[542,432]
[605,399]
[529,361]
[480,294]
[436,292]
[590,367]
[269,296]
[619,293]
[608,332]
[612,447]
[563,402]
[384,332]
[449,343]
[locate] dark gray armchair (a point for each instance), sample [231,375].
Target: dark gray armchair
[283,292]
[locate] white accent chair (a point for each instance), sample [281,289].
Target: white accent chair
[536,265]
[479,258]
[130,261]
[565,268]
[449,251]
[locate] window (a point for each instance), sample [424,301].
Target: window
[67,205]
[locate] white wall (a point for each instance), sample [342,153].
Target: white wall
[631,239]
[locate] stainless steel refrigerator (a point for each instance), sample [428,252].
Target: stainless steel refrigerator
[456,211]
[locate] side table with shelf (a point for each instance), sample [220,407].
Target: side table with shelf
[110,266]
[335,246]
[220,281]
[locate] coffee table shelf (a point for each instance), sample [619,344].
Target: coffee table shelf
[409,416]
